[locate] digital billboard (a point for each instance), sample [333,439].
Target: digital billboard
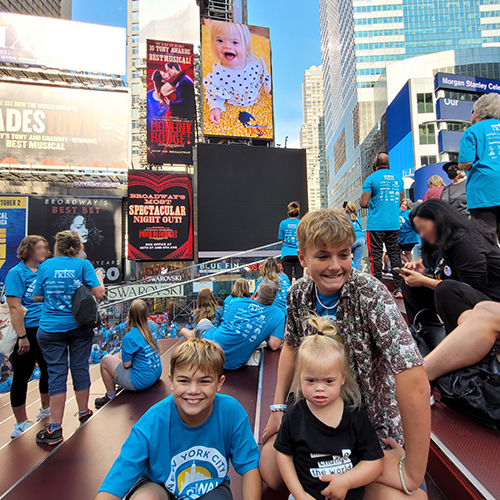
[98,221]
[60,44]
[171,108]
[62,126]
[237,82]
[12,231]
[160,216]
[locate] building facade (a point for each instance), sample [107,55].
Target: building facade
[47,8]
[312,138]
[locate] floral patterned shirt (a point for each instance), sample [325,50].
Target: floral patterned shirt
[376,337]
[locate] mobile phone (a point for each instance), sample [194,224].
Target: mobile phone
[399,269]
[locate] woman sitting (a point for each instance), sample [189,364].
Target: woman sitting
[240,289]
[208,314]
[271,270]
[460,266]
[436,186]
[140,363]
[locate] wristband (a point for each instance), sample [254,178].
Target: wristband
[276,408]
[22,337]
[403,484]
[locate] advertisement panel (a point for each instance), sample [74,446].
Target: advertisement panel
[171,109]
[12,231]
[453,109]
[237,82]
[98,221]
[61,126]
[133,291]
[466,83]
[160,216]
[449,141]
[67,45]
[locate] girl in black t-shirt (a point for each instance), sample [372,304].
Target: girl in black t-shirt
[327,446]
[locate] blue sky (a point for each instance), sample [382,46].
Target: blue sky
[295,38]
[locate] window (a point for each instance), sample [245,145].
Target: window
[136,137]
[135,15]
[135,26]
[135,51]
[135,150]
[427,134]
[424,102]
[135,99]
[456,127]
[427,160]
[135,125]
[135,38]
[135,4]
[136,87]
[135,112]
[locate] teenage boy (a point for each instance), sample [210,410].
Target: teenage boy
[382,354]
[181,447]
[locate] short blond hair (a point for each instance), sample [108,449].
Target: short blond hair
[325,228]
[200,354]
[436,181]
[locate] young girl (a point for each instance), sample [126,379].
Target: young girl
[271,270]
[240,289]
[327,446]
[358,249]
[239,75]
[140,364]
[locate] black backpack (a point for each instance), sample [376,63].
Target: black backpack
[84,307]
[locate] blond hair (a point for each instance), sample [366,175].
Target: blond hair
[202,354]
[271,270]
[228,30]
[351,210]
[293,209]
[206,306]
[68,244]
[326,341]
[240,288]
[325,228]
[138,318]
[436,181]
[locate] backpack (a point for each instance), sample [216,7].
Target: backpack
[85,308]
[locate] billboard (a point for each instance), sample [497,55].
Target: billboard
[98,221]
[12,231]
[160,216]
[454,109]
[237,82]
[61,126]
[466,83]
[66,45]
[133,291]
[171,109]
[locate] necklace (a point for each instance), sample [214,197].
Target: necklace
[323,305]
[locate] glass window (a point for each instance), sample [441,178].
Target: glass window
[135,27]
[427,160]
[425,103]
[427,134]
[135,38]
[135,4]
[135,15]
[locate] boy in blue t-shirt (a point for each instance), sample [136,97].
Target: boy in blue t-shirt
[181,448]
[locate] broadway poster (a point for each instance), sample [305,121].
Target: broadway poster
[97,220]
[171,109]
[160,216]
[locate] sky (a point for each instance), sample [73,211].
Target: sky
[296,46]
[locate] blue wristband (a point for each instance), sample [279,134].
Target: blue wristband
[276,408]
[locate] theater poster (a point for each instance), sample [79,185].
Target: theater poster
[12,231]
[160,216]
[171,110]
[97,220]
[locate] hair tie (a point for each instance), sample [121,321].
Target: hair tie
[72,242]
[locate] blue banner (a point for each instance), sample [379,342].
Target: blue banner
[449,141]
[453,109]
[466,83]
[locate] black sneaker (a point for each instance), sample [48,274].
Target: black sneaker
[50,438]
[100,402]
[85,417]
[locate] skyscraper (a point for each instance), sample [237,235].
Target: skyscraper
[312,137]
[48,8]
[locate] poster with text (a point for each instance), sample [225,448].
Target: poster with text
[98,221]
[171,109]
[237,82]
[160,216]
[12,231]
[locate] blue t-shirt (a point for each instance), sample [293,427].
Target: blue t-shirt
[227,302]
[146,363]
[407,235]
[189,461]
[288,234]
[358,228]
[246,325]
[6,385]
[96,355]
[385,188]
[58,280]
[327,302]
[280,300]
[173,329]
[480,144]
[20,282]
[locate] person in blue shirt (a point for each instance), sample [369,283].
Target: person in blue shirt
[382,195]
[97,354]
[140,364]
[358,249]
[19,286]
[287,233]
[480,156]
[270,269]
[5,379]
[63,343]
[241,288]
[248,323]
[408,238]
[207,310]
[182,447]
[173,329]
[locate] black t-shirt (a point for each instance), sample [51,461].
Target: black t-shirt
[319,450]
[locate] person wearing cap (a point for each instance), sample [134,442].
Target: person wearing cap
[454,193]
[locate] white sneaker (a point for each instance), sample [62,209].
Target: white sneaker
[44,412]
[20,428]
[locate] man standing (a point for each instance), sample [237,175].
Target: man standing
[383,195]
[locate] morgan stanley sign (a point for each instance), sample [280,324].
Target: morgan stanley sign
[466,83]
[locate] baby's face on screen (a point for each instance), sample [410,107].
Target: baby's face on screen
[230,51]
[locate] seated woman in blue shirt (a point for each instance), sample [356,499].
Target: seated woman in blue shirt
[140,363]
[207,308]
[270,269]
[241,288]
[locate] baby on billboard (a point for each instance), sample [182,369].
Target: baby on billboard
[239,78]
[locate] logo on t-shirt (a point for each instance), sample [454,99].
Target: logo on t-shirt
[64,273]
[335,464]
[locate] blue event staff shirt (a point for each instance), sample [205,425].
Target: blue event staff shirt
[58,280]
[146,362]
[385,188]
[407,235]
[480,145]
[20,282]
[288,234]
[280,300]
[227,302]
[246,325]
[96,355]
[328,306]
[189,461]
